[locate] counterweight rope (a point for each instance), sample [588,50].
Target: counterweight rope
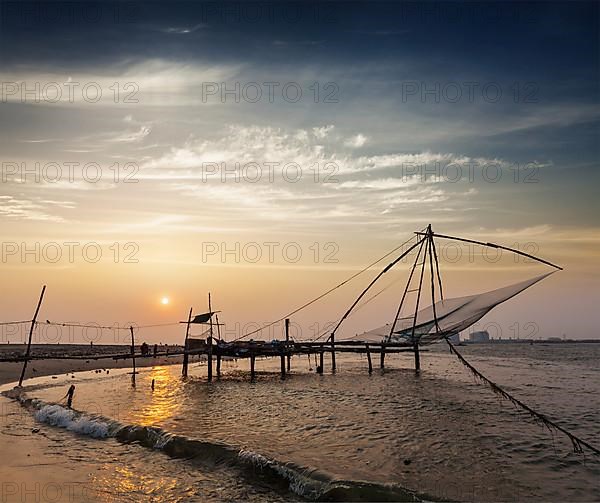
[577,442]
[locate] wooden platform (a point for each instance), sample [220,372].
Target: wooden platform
[215,349]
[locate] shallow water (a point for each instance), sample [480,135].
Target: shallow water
[439,434]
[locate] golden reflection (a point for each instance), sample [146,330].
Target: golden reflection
[116,482]
[162,402]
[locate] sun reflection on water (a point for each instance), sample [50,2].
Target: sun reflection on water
[163,402]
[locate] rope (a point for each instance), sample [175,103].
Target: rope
[328,327]
[326,293]
[81,325]
[14,322]
[576,442]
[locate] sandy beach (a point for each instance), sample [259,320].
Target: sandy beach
[10,371]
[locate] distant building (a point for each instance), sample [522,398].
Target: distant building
[481,336]
[454,339]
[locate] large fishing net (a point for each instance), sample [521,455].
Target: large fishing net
[453,316]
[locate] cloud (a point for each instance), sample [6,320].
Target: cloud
[356,141]
[26,209]
[133,136]
[182,30]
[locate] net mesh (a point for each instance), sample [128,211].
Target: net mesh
[453,316]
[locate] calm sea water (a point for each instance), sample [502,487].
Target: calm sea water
[390,435]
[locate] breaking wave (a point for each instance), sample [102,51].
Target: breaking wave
[304,482]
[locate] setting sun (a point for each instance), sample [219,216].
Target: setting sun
[164,301]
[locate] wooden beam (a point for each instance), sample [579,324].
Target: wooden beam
[369,359]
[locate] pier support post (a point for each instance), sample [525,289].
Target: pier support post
[282,365]
[320,367]
[218,363]
[287,340]
[333,352]
[132,356]
[417,357]
[184,367]
[382,357]
[210,357]
[252,361]
[369,359]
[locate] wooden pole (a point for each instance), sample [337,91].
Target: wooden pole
[320,367]
[210,341]
[218,363]
[252,374]
[70,394]
[210,357]
[218,327]
[491,245]
[373,281]
[184,368]
[369,359]
[332,352]
[406,290]
[382,357]
[414,325]
[28,351]
[132,356]
[417,357]
[287,340]
[210,318]
[282,365]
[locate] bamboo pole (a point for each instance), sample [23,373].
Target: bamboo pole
[132,356]
[414,338]
[184,368]
[28,351]
[406,288]
[494,245]
[381,273]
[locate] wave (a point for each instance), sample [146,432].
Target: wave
[309,484]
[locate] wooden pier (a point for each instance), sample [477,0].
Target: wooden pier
[284,350]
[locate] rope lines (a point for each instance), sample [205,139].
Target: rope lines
[577,442]
[339,285]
